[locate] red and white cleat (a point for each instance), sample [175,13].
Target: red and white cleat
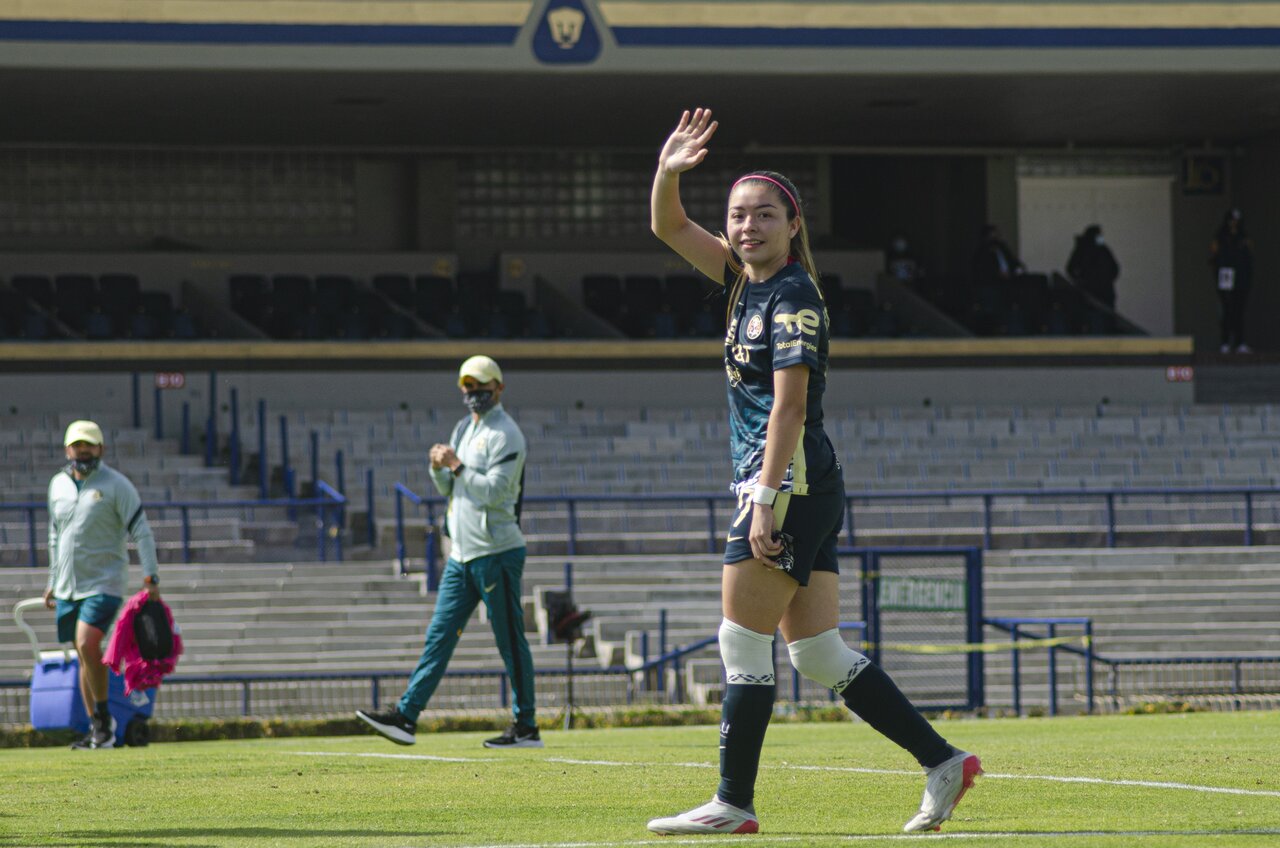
[713,817]
[943,790]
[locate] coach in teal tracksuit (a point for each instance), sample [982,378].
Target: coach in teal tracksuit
[480,472]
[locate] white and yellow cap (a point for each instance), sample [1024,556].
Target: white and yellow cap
[83,431]
[481,368]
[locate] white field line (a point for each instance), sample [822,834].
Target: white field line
[1145,784]
[758,838]
[395,756]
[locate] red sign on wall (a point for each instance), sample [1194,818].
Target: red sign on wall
[170,379]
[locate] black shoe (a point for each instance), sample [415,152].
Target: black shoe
[102,734]
[516,736]
[391,723]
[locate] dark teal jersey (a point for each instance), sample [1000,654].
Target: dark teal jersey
[779,323]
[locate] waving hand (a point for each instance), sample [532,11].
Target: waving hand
[687,146]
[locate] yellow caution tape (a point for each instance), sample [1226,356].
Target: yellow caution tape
[979,647]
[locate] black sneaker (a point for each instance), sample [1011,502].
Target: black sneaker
[516,736]
[102,734]
[391,723]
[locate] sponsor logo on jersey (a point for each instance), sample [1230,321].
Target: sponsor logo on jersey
[806,321]
[797,343]
[735,376]
[755,327]
[741,353]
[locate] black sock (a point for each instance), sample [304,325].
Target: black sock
[878,701]
[744,718]
[102,712]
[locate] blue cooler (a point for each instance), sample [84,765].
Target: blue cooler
[56,703]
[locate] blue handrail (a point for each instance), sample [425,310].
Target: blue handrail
[986,497]
[329,501]
[1014,626]
[429,551]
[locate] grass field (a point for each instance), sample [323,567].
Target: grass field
[1202,779]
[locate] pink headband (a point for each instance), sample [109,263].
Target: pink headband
[794,205]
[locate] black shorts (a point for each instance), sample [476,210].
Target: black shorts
[812,521]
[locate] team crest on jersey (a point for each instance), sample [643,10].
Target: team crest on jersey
[97,494]
[755,327]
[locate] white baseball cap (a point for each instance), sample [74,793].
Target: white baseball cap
[83,431]
[481,368]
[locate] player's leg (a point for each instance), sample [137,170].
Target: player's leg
[820,654]
[94,618]
[753,597]
[499,579]
[456,600]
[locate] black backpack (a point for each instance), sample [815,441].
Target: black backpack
[152,632]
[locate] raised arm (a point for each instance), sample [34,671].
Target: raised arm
[685,148]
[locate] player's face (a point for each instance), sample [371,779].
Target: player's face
[84,451]
[757,224]
[471,384]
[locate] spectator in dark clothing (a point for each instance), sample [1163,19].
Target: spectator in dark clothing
[1231,255]
[994,262]
[1093,267]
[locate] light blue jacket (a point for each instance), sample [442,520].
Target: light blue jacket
[87,530]
[484,496]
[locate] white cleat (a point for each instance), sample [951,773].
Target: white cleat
[713,817]
[943,790]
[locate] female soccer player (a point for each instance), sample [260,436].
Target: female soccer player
[780,567]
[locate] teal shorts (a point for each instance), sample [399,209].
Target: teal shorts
[97,610]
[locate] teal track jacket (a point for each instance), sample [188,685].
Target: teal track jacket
[483,497]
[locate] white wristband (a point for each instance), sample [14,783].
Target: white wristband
[762,494]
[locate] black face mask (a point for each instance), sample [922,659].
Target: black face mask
[86,466]
[479,401]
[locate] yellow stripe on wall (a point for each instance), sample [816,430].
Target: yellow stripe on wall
[353,12]
[925,15]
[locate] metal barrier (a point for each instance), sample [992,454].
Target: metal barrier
[329,506]
[987,498]
[1016,627]
[1228,677]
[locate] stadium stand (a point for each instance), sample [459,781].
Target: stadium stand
[251,596]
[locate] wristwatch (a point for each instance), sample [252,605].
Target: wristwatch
[150,581]
[458,470]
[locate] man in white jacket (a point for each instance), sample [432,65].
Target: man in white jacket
[92,510]
[480,471]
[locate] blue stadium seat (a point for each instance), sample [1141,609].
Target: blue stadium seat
[397,287]
[35,287]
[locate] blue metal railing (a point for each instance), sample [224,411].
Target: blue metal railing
[329,508]
[1016,628]
[429,550]
[986,497]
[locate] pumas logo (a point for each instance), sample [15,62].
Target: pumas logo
[806,321]
[724,728]
[565,24]
[566,34]
[755,327]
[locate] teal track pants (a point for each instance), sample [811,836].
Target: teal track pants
[496,581]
